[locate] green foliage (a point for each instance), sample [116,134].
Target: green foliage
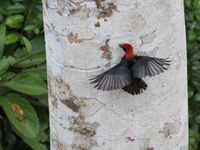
[192,16]
[30,126]
[23,87]
[24,106]
[15,21]
[11,38]
[24,41]
[2,37]
[5,63]
[27,83]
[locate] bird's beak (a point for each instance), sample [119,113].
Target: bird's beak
[120,45]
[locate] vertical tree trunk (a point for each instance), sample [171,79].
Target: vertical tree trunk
[82,38]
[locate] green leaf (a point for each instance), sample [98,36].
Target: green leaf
[3,6]
[192,140]
[2,38]
[33,143]
[30,126]
[197,84]
[27,83]
[29,28]
[11,38]
[35,17]
[191,35]
[1,17]
[31,60]
[42,136]
[16,8]
[198,119]
[5,63]
[15,21]
[19,53]
[9,49]
[43,99]
[197,97]
[36,57]
[24,41]
[41,72]
[38,44]
[188,3]
[7,76]
[36,31]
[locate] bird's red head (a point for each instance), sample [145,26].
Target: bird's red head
[128,50]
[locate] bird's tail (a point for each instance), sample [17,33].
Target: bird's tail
[136,87]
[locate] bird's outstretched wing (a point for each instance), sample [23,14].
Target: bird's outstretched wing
[117,77]
[148,66]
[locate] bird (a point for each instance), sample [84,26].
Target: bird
[128,73]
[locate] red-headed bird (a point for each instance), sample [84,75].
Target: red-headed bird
[128,73]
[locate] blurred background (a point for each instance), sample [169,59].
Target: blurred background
[23,81]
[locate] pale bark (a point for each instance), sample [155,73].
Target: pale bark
[77,47]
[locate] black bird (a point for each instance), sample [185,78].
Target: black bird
[128,73]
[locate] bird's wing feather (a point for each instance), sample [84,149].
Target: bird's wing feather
[115,78]
[148,66]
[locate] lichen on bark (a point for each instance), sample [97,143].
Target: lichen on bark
[83,132]
[63,93]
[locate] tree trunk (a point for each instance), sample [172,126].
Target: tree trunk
[82,39]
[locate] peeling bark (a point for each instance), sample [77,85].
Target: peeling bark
[82,39]
[73,38]
[107,54]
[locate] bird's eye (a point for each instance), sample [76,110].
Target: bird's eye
[120,45]
[124,48]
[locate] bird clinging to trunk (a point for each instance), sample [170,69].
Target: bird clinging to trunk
[128,74]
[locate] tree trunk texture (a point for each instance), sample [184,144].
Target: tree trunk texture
[82,40]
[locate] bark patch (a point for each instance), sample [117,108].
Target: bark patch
[148,38]
[78,124]
[54,100]
[57,144]
[61,6]
[146,144]
[130,139]
[63,93]
[70,104]
[83,132]
[46,4]
[105,11]
[107,54]
[77,3]
[98,3]
[171,128]
[97,24]
[108,65]
[73,38]
[80,13]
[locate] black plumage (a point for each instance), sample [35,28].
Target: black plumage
[128,73]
